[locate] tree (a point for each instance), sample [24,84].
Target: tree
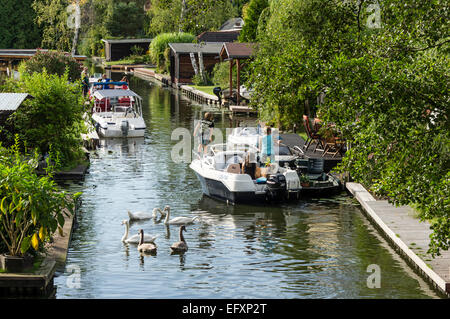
[54,63]
[251,19]
[192,16]
[17,25]
[125,20]
[384,70]
[52,17]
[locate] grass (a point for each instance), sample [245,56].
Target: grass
[124,61]
[207,89]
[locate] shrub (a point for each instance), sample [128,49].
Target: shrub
[161,42]
[53,118]
[202,80]
[31,207]
[54,62]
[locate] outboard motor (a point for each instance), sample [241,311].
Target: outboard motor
[276,187]
[218,91]
[125,127]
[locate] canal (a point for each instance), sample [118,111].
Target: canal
[310,249]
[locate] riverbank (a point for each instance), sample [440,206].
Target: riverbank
[408,235]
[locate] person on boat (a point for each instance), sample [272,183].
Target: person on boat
[125,86]
[267,146]
[85,81]
[204,130]
[105,79]
[248,167]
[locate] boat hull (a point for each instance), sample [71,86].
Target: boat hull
[217,189]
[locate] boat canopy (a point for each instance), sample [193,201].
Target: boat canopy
[103,84]
[102,94]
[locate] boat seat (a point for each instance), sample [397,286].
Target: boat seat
[233,168]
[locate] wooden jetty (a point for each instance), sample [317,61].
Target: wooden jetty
[292,139]
[199,96]
[408,235]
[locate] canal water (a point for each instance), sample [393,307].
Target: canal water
[311,249]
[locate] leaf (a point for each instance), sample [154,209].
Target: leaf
[26,242]
[42,233]
[2,207]
[61,232]
[35,241]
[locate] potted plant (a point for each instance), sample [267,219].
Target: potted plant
[31,208]
[304,180]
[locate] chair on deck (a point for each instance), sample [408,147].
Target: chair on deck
[333,146]
[311,134]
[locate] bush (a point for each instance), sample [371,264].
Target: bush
[202,80]
[54,62]
[161,42]
[221,75]
[31,207]
[52,120]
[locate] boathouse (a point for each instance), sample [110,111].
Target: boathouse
[186,60]
[117,49]
[235,53]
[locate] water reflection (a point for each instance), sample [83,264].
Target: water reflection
[311,249]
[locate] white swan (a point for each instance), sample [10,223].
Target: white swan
[134,239]
[180,246]
[177,220]
[144,215]
[149,248]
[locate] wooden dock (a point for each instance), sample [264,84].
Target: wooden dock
[408,235]
[199,96]
[292,139]
[241,109]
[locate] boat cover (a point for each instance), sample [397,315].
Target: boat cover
[101,94]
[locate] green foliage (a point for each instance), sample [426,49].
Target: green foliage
[221,74]
[200,80]
[161,42]
[386,85]
[192,16]
[52,120]
[54,63]
[32,208]
[52,17]
[125,19]
[17,25]
[251,19]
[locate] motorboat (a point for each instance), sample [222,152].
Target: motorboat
[315,181]
[219,173]
[95,86]
[250,136]
[118,113]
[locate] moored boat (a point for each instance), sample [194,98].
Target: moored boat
[219,173]
[118,113]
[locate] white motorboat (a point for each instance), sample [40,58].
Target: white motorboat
[250,136]
[219,173]
[118,113]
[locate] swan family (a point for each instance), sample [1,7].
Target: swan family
[146,243]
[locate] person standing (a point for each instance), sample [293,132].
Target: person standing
[204,130]
[267,146]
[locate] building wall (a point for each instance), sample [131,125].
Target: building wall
[118,51]
[185,69]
